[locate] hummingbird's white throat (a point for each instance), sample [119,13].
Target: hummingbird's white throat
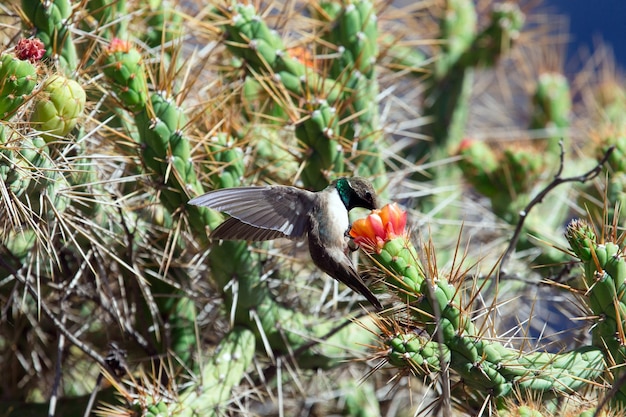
[339,221]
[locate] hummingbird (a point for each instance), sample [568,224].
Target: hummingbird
[279,211]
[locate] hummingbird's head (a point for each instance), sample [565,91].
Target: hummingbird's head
[356,192]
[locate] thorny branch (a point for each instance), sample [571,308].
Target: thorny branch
[556,181]
[58,324]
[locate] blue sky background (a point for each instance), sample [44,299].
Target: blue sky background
[599,19]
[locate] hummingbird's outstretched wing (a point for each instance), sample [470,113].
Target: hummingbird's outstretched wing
[259,213]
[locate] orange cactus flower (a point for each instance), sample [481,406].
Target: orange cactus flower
[302,54]
[380,226]
[118,45]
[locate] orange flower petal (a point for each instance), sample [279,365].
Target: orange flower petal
[380,226]
[394,219]
[377,224]
[361,228]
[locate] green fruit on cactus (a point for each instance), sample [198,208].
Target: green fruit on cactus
[523,167]
[17,80]
[59,107]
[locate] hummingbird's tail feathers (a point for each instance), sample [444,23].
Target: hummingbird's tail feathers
[344,272]
[359,286]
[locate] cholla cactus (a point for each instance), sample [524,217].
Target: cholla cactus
[463,49]
[604,283]
[508,178]
[350,84]
[488,368]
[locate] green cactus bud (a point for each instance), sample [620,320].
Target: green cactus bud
[58,108]
[580,236]
[521,170]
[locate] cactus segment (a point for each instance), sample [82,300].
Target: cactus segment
[125,72]
[436,306]
[17,81]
